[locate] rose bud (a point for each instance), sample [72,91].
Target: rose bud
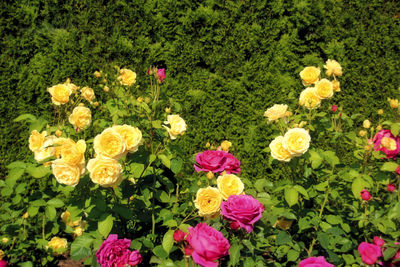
[365,195]
[390,187]
[179,235]
[234,226]
[334,108]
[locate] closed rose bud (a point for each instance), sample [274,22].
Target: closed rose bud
[131,198]
[199,183]
[367,148]
[179,235]
[104,80]
[58,133]
[380,111]
[391,187]
[208,144]
[96,104]
[379,127]
[106,89]
[362,133]
[334,108]
[366,124]
[97,74]
[365,195]
[26,215]
[398,170]
[234,226]
[302,124]
[5,240]
[288,113]
[167,110]
[140,99]
[188,250]
[394,103]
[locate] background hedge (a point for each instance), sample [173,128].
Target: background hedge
[226,61]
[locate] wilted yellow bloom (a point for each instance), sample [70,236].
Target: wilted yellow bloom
[105,171]
[276,112]
[88,94]
[131,135]
[277,150]
[336,86]
[310,75]
[97,74]
[110,144]
[362,133]
[380,111]
[309,99]
[210,175]
[60,93]
[229,184]
[81,117]
[208,201]
[66,173]
[127,77]
[366,124]
[36,140]
[333,67]
[177,124]
[324,89]
[296,141]
[65,216]
[57,243]
[225,145]
[394,103]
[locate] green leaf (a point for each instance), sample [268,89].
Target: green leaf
[160,252]
[389,253]
[331,158]
[394,212]
[358,185]
[282,238]
[80,248]
[301,190]
[25,264]
[38,172]
[259,185]
[315,158]
[156,124]
[321,186]
[33,211]
[6,191]
[395,128]
[13,176]
[137,169]
[332,219]
[176,165]
[323,239]
[234,253]
[291,196]
[16,164]
[26,116]
[292,255]
[106,225]
[50,212]
[165,160]
[389,166]
[56,203]
[164,197]
[168,241]
[170,223]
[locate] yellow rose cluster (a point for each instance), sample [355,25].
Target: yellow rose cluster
[294,143]
[208,200]
[323,88]
[61,93]
[58,244]
[79,225]
[112,144]
[177,126]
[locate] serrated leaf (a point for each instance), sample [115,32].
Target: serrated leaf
[137,169]
[292,255]
[50,212]
[160,252]
[291,196]
[80,248]
[56,203]
[395,128]
[234,253]
[13,176]
[283,238]
[323,240]
[168,241]
[358,185]
[321,186]
[165,160]
[302,191]
[106,225]
[176,165]
[389,253]
[389,166]
[38,172]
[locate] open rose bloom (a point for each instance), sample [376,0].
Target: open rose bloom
[385,141]
[315,262]
[216,161]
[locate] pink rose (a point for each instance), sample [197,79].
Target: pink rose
[315,262]
[188,250]
[378,241]
[391,187]
[243,209]
[216,161]
[115,252]
[135,258]
[3,263]
[208,245]
[365,195]
[334,108]
[232,164]
[398,170]
[369,252]
[179,235]
[160,75]
[385,141]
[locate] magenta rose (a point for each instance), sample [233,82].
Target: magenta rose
[161,75]
[179,235]
[365,195]
[207,244]
[210,160]
[391,187]
[3,263]
[315,262]
[232,164]
[385,141]
[378,241]
[115,252]
[243,209]
[369,252]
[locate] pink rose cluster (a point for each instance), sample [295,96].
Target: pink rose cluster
[216,161]
[115,252]
[206,245]
[370,253]
[385,141]
[242,210]
[315,262]
[158,73]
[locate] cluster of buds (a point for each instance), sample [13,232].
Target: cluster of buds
[159,74]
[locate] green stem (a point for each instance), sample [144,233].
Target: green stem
[398,188]
[43,224]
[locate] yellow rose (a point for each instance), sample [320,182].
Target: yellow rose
[380,111]
[225,145]
[65,216]
[277,150]
[88,94]
[105,172]
[131,135]
[66,173]
[127,77]
[309,99]
[324,89]
[276,112]
[81,117]
[78,231]
[229,184]
[366,124]
[106,89]
[1,254]
[73,153]
[296,141]
[96,104]
[60,93]
[36,140]
[336,86]
[167,110]
[58,133]
[394,103]
[109,144]
[208,201]
[57,243]
[178,126]
[47,149]
[310,75]
[362,133]
[333,67]
[26,215]
[210,175]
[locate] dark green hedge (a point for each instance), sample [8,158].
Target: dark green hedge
[227,61]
